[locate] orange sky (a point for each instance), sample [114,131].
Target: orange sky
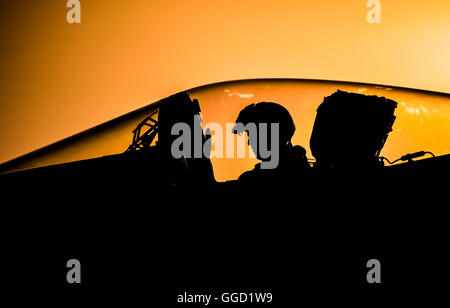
[58,78]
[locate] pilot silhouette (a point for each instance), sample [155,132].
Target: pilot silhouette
[291,159]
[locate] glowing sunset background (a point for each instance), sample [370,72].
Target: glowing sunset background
[58,79]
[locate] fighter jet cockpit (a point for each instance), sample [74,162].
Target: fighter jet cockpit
[190,134]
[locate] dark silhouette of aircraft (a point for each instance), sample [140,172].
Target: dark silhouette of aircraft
[143,221]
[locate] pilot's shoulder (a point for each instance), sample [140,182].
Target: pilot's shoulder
[251,175]
[299,150]
[248,175]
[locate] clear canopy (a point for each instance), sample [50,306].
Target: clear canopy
[422,122]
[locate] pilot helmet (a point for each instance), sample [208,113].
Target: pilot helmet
[267,112]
